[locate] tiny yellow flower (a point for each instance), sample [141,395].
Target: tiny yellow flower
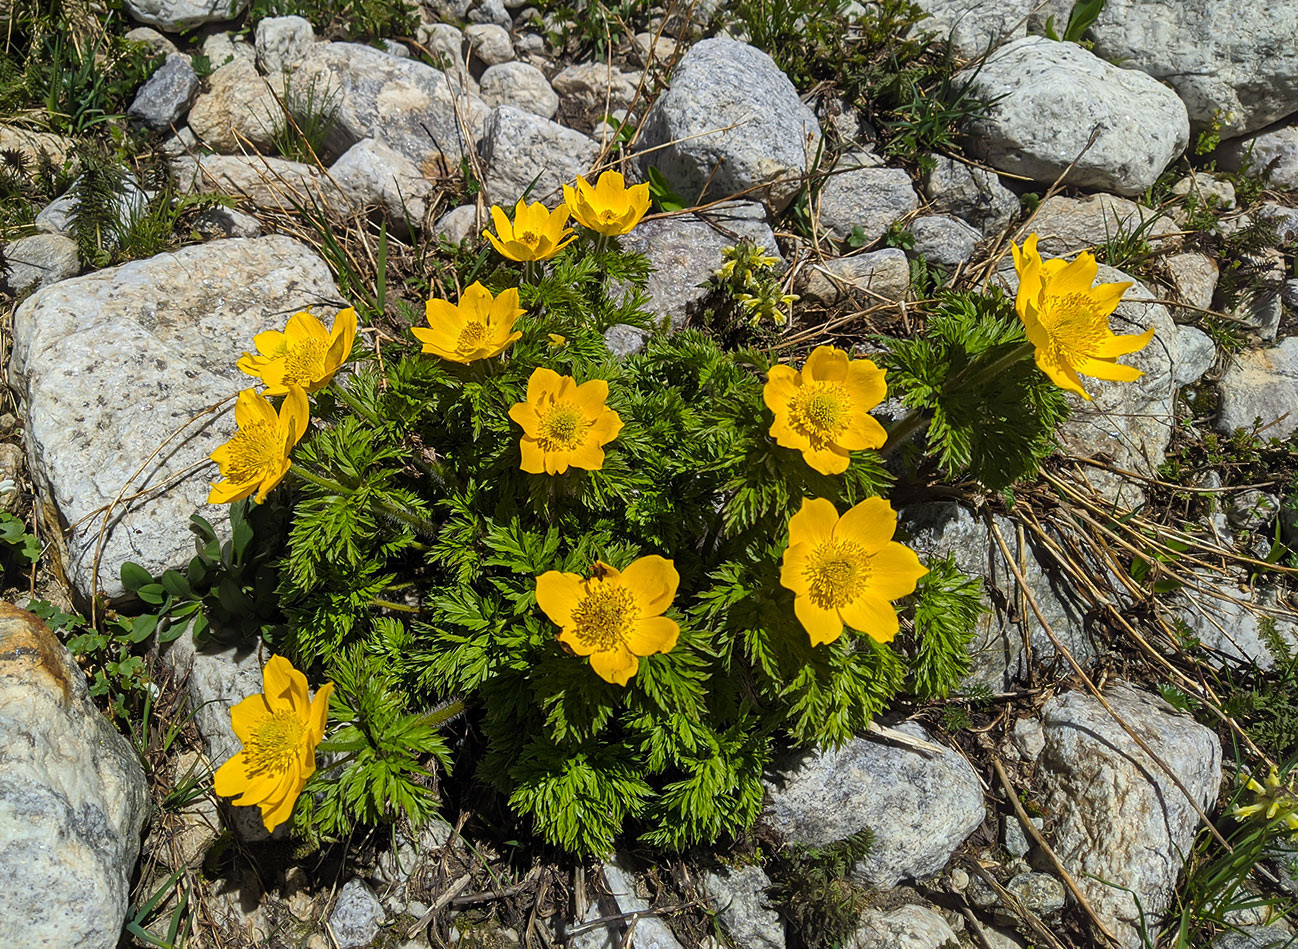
[478,327]
[824,410]
[1277,797]
[1067,319]
[280,728]
[536,233]
[610,207]
[615,616]
[556,340]
[256,458]
[564,424]
[305,354]
[847,570]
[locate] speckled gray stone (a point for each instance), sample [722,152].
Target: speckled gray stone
[1273,151]
[881,275]
[945,241]
[40,260]
[172,16]
[970,193]
[1051,97]
[521,85]
[973,26]
[1197,354]
[86,350]
[624,340]
[1261,384]
[518,147]
[166,96]
[372,174]
[282,42]
[908,926]
[867,198]
[740,898]
[356,917]
[730,121]
[919,805]
[73,798]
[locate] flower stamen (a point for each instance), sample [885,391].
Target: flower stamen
[605,617]
[837,571]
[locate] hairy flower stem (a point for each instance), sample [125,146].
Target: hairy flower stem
[907,426]
[395,607]
[530,273]
[344,396]
[418,524]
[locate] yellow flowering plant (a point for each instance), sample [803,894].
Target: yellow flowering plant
[609,208]
[305,354]
[256,459]
[535,233]
[564,424]
[1274,798]
[279,728]
[480,326]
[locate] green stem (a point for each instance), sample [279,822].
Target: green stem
[907,426]
[416,523]
[443,715]
[396,607]
[346,397]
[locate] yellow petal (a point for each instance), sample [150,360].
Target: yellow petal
[1123,345]
[1107,369]
[781,384]
[870,524]
[825,364]
[588,456]
[654,634]
[557,594]
[873,616]
[246,715]
[232,777]
[863,431]
[813,523]
[294,416]
[507,249]
[1060,373]
[251,408]
[822,625]
[542,383]
[533,458]
[302,326]
[866,383]
[616,665]
[227,492]
[591,396]
[501,221]
[319,714]
[1075,277]
[894,571]
[830,460]
[652,580]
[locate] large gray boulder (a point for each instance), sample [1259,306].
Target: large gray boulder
[1261,384]
[1050,97]
[521,148]
[413,107]
[72,798]
[1230,62]
[172,16]
[240,108]
[166,96]
[730,121]
[920,805]
[975,26]
[109,365]
[1122,826]
[40,260]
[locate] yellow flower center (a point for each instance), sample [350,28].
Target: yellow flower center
[253,451]
[471,338]
[836,572]
[530,238]
[820,410]
[563,427]
[604,617]
[305,362]
[1072,323]
[608,216]
[275,743]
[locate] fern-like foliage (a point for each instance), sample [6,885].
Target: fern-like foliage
[994,425]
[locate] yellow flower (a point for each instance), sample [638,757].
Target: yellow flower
[536,234]
[847,569]
[556,340]
[279,728]
[256,458]
[610,207]
[305,354]
[1276,798]
[824,410]
[1067,319]
[564,423]
[613,617]
[478,327]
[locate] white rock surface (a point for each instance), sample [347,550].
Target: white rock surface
[904,927]
[869,198]
[490,43]
[519,146]
[1194,281]
[356,917]
[166,96]
[223,48]
[240,107]
[1122,827]
[1054,95]
[974,26]
[172,16]
[39,261]
[87,350]
[410,105]
[739,896]
[73,798]
[1234,60]
[589,91]
[1067,225]
[881,275]
[521,85]
[1261,384]
[371,173]
[770,135]
[945,241]
[266,183]
[1273,151]
[282,42]
[151,38]
[920,806]
[1197,354]
[458,223]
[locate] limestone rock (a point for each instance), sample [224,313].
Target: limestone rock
[490,43]
[39,261]
[240,107]
[1194,281]
[518,147]
[1066,225]
[173,16]
[1231,63]
[1197,354]
[458,224]
[624,340]
[223,48]
[942,240]
[227,222]
[12,463]
[686,250]
[718,84]
[1261,384]
[920,805]
[588,91]
[879,275]
[266,183]
[56,217]
[521,85]
[282,43]
[371,173]
[1053,96]
[151,38]
[739,896]
[970,193]
[167,95]
[1039,892]
[356,917]
[974,26]
[1122,826]
[1226,617]
[870,199]
[73,798]
[1273,152]
[908,926]
[59,149]
[1255,937]
[171,326]
[408,104]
